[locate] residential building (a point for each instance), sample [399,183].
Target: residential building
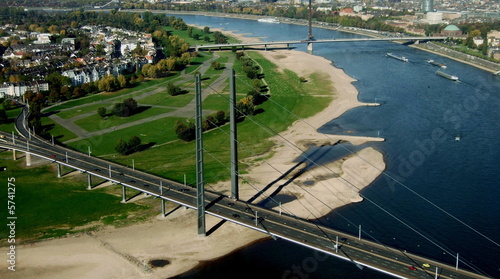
[19,88]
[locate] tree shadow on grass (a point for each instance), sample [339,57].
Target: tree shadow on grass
[140,109]
[48,127]
[182,92]
[47,114]
[143,147]
[259,111]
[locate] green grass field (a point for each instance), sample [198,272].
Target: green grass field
[164,99]
[60,133]
[47,206]
[290,100]
[66,204]
[12,114]
[152,132]
[96,123]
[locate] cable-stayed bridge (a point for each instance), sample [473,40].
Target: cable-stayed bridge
[354,249]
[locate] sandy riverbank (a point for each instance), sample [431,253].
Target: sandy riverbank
[120,253]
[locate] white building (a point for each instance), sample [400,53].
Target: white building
[434,17]
[42,39]
[18,89]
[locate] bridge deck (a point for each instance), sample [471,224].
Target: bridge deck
[333,40]
[302,232]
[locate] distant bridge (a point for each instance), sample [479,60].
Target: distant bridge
[311,42]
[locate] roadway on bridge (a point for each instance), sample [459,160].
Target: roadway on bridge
[275,224]
[333,40]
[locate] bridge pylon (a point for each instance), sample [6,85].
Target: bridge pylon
[200,187]
[233,136]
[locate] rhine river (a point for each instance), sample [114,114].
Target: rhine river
[442,193]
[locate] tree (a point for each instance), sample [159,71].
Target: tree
[185,58]
[107,83]
[173,90]
[131,104]
[121,147]
[245,106]
[215,65]
[219,38]
[122,81]
[134,144]
[220,118]
[171,62]
[121,110]
[206,30]
[185,132]
[101,112]
[3,116]
[7,104]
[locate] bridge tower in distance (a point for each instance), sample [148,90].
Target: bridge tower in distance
[310,36]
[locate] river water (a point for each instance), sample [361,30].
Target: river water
[439,195]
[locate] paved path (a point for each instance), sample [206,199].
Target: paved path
[188,111]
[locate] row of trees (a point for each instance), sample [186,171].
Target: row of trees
[186,130]
[167,65]
[129,147]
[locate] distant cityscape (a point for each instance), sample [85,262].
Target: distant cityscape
[37,52]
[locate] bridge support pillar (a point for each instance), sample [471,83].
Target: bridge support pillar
[265,47]
[14,157]
[288,46]
[58,170]
[310,46]
[89,182]
[124,194]
[28,159]
[163,208]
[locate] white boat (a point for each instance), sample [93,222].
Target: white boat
[443,66]
[448,76]
[402,58]
[268,20]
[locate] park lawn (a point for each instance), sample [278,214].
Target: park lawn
[211,72]
[104,96]
[219,101]
[46,206]
[96,123]
[73,112]
[290,100]
[60,133]
[164,99]
[193,42]
[152,133]
[11,114]
[96,98]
